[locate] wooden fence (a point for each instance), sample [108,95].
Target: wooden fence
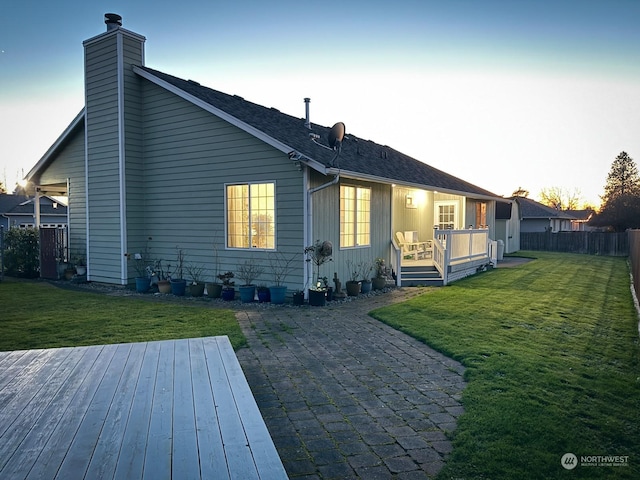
[592,243]
[634,258]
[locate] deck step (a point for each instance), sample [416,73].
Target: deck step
[421,276]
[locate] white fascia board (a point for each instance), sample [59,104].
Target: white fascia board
[259,134]
[56,145]
[113,32]
[420,186]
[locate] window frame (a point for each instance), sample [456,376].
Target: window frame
[249,223]
[446,203]
[355,222]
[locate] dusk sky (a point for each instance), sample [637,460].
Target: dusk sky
[503,94]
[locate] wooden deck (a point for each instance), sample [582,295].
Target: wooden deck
[178,409]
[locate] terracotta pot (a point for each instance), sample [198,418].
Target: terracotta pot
[164,286]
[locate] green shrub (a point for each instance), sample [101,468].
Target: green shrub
[21,252]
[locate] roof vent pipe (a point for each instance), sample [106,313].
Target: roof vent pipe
[113,21]
[307,121]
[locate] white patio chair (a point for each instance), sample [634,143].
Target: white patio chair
[415,250]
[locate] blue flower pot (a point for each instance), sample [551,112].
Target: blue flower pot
[178,287]
[142,284]
[278,294]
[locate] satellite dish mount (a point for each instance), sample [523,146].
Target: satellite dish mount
[336,135]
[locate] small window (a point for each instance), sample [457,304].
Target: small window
[250,210]
[355,216]
[446,215]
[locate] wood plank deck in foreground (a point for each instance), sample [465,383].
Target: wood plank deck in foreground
[175,409]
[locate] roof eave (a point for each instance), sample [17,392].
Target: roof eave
[60,141]
[390,181]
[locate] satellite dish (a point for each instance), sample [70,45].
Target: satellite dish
[336,134]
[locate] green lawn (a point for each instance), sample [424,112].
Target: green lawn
[36,314]
[552,357]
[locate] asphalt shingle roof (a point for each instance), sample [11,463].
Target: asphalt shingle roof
[358,156]
[532,209]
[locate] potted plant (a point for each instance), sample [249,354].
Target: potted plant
[196,287]
[81,266]
[263,294]
[69,271]
[353,284]
[298,297]
[280,267]
[161,277]
[143,271]
[365,275]
[214,289]
[248,271]
[318,253]
[228,292]
[380,280]
[178,283]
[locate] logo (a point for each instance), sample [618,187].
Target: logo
[569,461]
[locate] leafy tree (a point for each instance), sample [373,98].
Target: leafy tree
[621,199]
[560,198]
[2,188]
[520,192]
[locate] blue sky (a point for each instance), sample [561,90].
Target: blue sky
[504,94]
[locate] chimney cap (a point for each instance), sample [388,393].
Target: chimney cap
[113,21]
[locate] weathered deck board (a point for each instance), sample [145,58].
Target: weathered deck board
[170,409]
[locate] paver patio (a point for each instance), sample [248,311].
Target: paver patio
[346,396]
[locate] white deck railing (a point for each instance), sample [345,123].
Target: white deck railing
[453,247]
[450,248]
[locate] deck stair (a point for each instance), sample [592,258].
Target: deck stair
[420,275]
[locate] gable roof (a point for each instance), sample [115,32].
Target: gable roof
[48,206]
[9,202]
[359,158]
[530,209]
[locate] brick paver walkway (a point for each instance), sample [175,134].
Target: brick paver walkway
[345,396]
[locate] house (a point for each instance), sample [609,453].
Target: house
[154,161]
[18,211]
[536,217]
[580,223]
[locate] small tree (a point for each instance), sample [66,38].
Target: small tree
[21,255]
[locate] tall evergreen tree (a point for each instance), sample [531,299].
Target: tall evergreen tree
[621,200]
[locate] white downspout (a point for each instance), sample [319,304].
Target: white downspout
[309,220]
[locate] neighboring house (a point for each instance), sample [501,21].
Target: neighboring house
[536,217]
[17,211]
[7,203]
[160,162]
[580,223]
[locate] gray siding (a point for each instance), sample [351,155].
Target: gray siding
[418,219]
[69,165]
[104,157]
[189,156]
[326,225]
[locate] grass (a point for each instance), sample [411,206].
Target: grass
[40,315]
[552,364]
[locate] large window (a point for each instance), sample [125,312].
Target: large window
[251,216]
[355,216]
